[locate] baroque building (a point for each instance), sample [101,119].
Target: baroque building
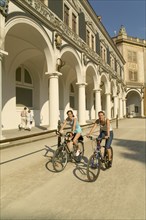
[134,53]
[56,55]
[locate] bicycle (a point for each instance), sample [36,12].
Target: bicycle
[63,154]
[97,160]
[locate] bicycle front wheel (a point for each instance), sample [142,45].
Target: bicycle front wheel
[93,168]
[59,159]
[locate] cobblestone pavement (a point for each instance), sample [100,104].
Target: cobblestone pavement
[30,189]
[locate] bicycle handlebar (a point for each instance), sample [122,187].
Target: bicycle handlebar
[68,134]
[93,138]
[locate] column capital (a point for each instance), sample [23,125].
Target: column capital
[82,84]
[54,74]
[2,53]
[108,93]
[97,90]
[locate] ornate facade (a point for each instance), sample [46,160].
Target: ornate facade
[57,55]
[134,53]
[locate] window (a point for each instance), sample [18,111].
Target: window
[72,96]
[27,78]
[132,75]
[136,109]
[18,74]
[92,42]
[132,57]
[70,17]
[103,53]
[66,15]
[74,22]
[24,87]
[88,37]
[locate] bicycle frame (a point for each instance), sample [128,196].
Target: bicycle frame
[63,152]
[64,144]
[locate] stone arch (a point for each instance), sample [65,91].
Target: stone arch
[27,43]
[133,103]
[71,74]
[92,82]
[105,89]
[38,33]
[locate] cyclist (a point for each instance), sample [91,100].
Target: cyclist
[76,129]
[106,132]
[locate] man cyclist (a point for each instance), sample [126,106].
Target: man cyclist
[106,132]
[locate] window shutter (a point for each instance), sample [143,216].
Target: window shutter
[56,7]
[82,26]
[115,65]
[108,56]
[97,44]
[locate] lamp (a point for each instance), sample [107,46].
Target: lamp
[59,64]
[101,84]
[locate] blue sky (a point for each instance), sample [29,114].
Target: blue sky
[129,13]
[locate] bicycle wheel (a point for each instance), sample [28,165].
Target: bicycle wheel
[93,167]
[80,147]
[59,159]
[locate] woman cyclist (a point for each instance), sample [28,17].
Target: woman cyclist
[76,129]
[106,132]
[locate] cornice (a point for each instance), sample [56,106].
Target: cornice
[132,41]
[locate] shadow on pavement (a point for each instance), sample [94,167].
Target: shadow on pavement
[80,172]
[17,158]
[137,149]
[49,165]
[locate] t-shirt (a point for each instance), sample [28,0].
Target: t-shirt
[71,123]
[103,127]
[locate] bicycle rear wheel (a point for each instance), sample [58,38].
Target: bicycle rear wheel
[59,159]
[93,168]
[81,149]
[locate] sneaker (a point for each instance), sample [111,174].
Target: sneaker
[77,153]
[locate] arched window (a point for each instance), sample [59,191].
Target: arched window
[72,96]
[24,87]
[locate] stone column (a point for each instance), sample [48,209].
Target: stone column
[115,106]
[53,99]
[3,12]
[108,105]
[97,102]
[124,107]
[81,104]
[142,107]
[120,108]
[1,57]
